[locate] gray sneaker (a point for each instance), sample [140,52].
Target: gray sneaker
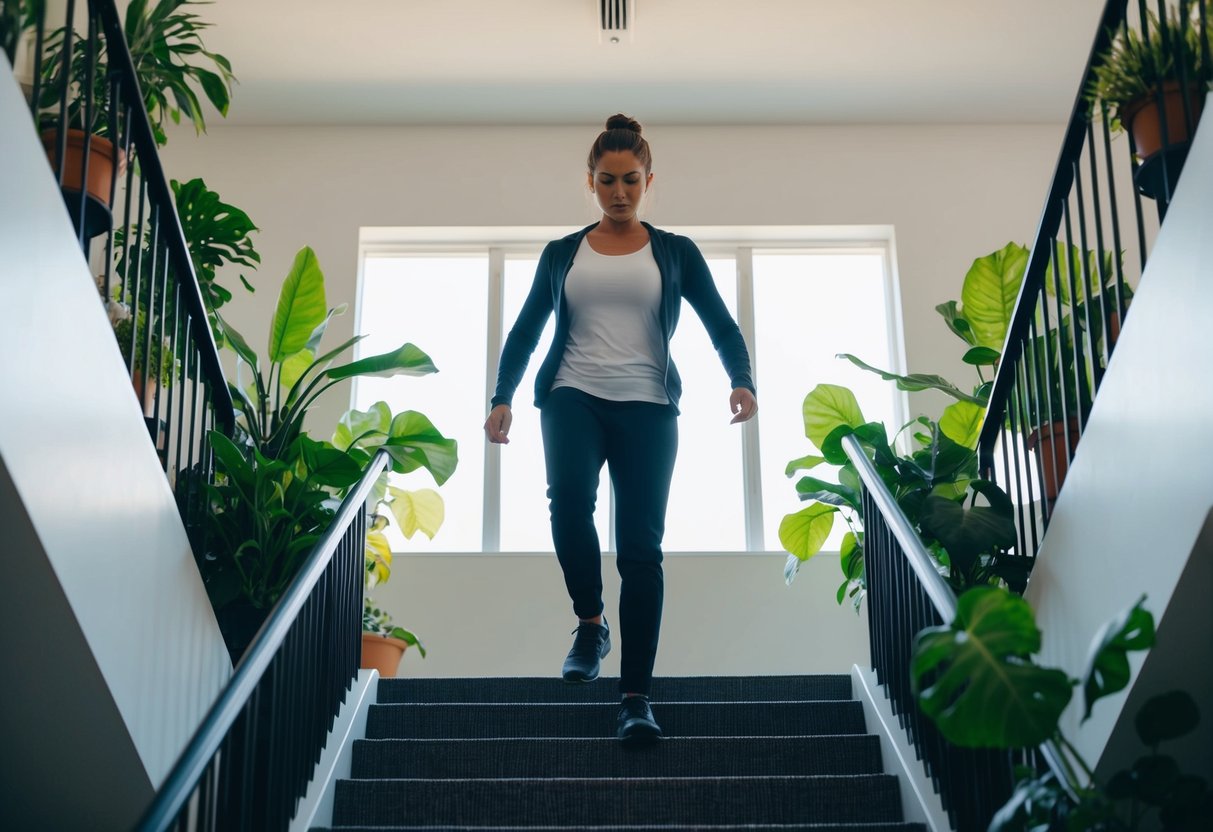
[592,643]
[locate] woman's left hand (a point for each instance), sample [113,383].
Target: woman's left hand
[742,404]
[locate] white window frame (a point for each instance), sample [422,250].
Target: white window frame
[731,241]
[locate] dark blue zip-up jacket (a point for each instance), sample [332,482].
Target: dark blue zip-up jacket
[684,274]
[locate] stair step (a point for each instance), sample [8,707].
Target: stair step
[603,689]
[590,720]
[571,802]
[678,756]
[749,827]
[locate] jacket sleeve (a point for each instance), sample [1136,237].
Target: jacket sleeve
[524,335]
[700,290]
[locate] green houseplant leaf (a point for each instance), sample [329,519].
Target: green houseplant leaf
[1108,664]
[415,443]
[990,290]
[915,382]
[405,360]
[804,532]
[961,422]
[826,407]
[301,307]
[975,678]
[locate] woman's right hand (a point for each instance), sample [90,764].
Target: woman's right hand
[497,426]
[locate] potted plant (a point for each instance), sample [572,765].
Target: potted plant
[363,434]
[128,331]
[1140,78]
[171,62]
[384,643]
[977,681]
[277,487]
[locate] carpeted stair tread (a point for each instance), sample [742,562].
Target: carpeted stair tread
[748,827]
[675,756]
[665,689]
[571,802]
[677,719]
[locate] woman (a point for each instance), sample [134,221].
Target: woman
[608,392]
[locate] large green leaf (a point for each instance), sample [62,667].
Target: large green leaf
[1107,668]
[804,463]
[976,680]
[811,488]
[916,381]
[407,360]
[827,407]
[961,422]
[327,465]
[966,533]
[301,307]
[415,443]
[803,533]
[990,290]
[376,421]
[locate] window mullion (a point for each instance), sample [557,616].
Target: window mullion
[750,460]
[491,534]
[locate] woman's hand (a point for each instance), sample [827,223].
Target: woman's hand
[742,404]
[497,426]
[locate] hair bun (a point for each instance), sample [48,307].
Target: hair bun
[622,122]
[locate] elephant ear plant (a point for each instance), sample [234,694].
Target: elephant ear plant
[976,680]
[278,487]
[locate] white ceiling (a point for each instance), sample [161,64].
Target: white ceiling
[688,61]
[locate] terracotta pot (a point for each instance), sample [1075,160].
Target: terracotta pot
[102,157]
[1053,462]
[147,394]
[382,653]
[1141,117]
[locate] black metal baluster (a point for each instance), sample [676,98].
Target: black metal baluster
[66,69]
[1061,365]
[39,44]
[151,375]
[1102,275]
[90,75]
[1086,286]
[1075,341]
[1025,414]
[1117,259]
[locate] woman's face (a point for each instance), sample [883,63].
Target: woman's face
[619,184]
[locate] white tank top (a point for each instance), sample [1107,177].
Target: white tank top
[615,349]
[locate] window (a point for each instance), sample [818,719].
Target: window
[799,300]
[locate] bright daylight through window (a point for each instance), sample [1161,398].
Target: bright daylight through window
[798,308]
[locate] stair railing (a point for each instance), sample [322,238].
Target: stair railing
[249,763]
[1077,284]
[89,110]
[905,595]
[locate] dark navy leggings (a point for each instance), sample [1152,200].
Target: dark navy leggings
[638,441]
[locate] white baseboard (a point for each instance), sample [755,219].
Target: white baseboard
[316,808]
[919,802]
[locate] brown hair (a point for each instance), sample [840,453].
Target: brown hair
[622,133]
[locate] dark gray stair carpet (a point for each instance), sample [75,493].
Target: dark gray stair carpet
[606,689]
[685,756]
[868,798]
[774,753]
[452,720]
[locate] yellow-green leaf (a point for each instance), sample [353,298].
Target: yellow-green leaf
[961,422]
[422,510]
[990,290]
[803,533]
[827,407]
[301,307]
[378,559]
[294,366]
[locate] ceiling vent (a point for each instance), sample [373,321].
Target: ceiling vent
[616,20]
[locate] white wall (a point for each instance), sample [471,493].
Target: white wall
[103,619]
[952,193]
[1133,512]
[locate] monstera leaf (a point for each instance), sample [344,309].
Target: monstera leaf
[1108,665]
[976,680]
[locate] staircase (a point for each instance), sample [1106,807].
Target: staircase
[766,752]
